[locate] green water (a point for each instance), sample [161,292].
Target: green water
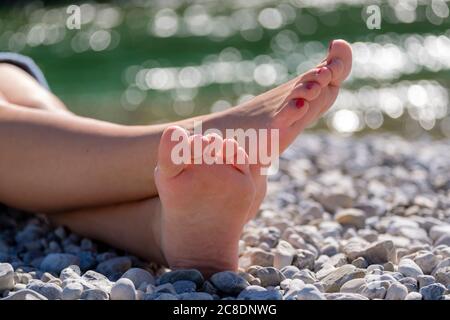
[93,83]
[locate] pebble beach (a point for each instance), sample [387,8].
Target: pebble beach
[345,218]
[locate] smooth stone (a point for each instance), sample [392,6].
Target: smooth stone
[115,266]
[185,274]
[410,283]
[307,276]
[334,281]
[438,231]
[87,260]
[442,275]
[310,292]
[283,254]
[433,291]
[294,286]
[345,296]
[269,276]
[259,293]
[49,290]
[289,271]
[72,291]
[97,280]
[360,263]
[95,294]
[257,256]
[338,260]
[71,272]
[208,287]
[425,280]
[160,296]
[413,296]
[123,289]
[6,276]
[56,262]
[304,259]
[353,286]
[396,291]
[139,276]
[409,268]
[184,286]
[195,296]
[25,294]
[165,288]
[426,261]
[379,253]
[351,218]
[443,240]
[334,201]
[229,282]
[375,290]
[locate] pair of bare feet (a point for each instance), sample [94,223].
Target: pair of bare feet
[205,206]
[194,216]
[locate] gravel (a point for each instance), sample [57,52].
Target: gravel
[343,219]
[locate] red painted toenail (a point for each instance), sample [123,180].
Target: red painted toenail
[299,103]
[309,86]
[319,71]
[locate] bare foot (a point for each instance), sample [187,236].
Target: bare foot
[292,106]
[204,206]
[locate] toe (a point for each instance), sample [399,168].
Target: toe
[342,51]
[173,152]
[294,110]
[198,144]
[322,75]
[306,90]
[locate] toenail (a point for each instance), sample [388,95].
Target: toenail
[299,103]
[319,71]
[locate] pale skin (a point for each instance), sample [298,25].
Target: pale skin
[117,183]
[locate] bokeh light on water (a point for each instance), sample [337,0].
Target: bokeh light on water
[142,61]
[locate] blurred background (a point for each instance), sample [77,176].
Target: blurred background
[140,61]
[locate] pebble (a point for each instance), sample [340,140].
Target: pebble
[229,282]
[345,296]
[123,289]
[353,286]
[334,281]
[259,293]
[115,267]
[409,268]
[97,280]
[184,286]
[6,277]
[396,291]
[72,291]
[139,276]
[25,294]
[310,292]
[375,289]
[442,275]
[49,290]
[426,261]
[56,262]
[269,276]
[95,294]
[195,296]
[413,296]
[283,254]
[433,291]
[351,218]
[425,280]
[186,274]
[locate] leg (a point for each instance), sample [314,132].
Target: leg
[14,82]
[120,160]
[177,231]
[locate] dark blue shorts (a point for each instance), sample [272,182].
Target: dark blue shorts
[25,63]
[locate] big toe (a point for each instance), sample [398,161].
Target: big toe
[173,152]
[339,60]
